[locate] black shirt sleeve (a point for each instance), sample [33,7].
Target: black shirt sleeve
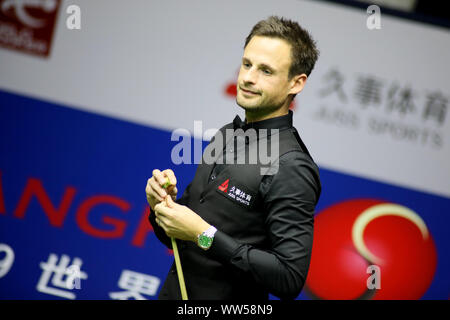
[290,197]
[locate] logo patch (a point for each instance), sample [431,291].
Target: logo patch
[237,193]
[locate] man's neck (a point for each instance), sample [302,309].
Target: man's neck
[255,116]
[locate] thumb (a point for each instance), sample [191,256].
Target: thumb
[169,202]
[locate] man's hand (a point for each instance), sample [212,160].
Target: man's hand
[154,189]
[179,221]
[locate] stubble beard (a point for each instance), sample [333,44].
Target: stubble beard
[258,109]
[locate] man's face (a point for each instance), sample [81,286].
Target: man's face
[263,82]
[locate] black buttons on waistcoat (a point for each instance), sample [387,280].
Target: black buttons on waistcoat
[202,200]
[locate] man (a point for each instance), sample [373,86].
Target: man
[243,234]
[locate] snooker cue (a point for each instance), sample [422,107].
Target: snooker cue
[177,257]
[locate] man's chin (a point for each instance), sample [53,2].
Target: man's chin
[246,105]
[256,110]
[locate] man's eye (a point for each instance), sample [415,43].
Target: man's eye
[247,65]
[267,72]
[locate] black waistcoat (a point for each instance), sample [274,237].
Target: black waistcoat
[242,217]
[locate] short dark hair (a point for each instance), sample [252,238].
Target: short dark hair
[304,53]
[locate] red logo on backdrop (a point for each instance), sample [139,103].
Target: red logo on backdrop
[350,236]
[224,186]
[28,25]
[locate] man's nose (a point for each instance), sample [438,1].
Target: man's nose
[250,76]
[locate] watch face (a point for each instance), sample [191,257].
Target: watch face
[204,241]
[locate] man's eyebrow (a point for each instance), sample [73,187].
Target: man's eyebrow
[261,66]
[266,66]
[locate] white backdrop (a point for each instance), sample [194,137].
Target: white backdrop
[167,63]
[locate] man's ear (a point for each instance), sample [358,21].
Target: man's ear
[297,83]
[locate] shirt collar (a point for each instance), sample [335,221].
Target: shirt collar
[281,122]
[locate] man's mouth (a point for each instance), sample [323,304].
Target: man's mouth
[249,92]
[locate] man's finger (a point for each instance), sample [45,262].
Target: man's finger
[155,196]
[157,208]
[151,193]
[171,175]
[169,202]
[156,188]
[162,210]
[159,177]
